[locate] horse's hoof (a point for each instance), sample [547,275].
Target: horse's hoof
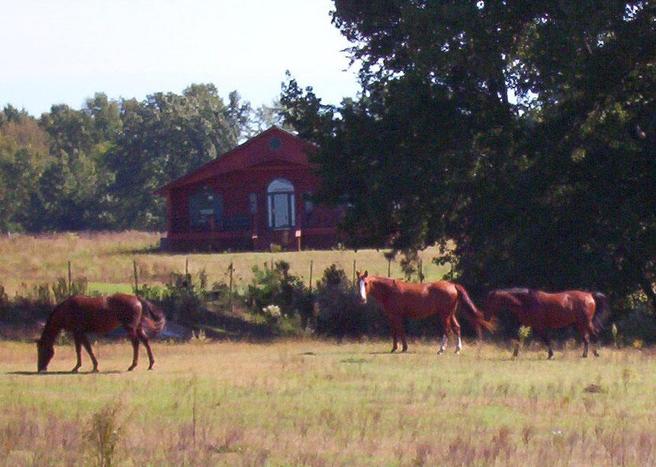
[440,352]
[595,353]
[457,352]
[405,349]
[95,370]
[74,370]
[131,368]
[393,350]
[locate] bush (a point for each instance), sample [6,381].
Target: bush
[278,287]
[639,324]
[184,297]
[36,302]
[339,312]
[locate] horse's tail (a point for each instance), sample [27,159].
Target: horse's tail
[153,319]
[602,311]
[472,313]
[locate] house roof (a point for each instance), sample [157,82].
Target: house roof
[272,145]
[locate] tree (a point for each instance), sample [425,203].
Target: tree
[163,138]
[522,131]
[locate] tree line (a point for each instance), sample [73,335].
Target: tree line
[96,168]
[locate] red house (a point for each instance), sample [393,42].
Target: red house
[250,198]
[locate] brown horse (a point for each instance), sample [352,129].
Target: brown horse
[81,314]
[407,300]
[543,311]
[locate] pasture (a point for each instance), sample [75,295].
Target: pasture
[106,261]
[311,402]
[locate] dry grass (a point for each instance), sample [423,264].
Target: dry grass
[319,403]
[107,258]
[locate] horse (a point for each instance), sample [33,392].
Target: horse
[80,314]
[401,299]
[543,311]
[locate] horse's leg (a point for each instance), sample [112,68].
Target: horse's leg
[394,325]
[144,340]
[401,331]
[595,350]
[594,336]
[445,341]
[456,325]
[78,352]
[542,334]
[87,347]
[446,329]
[586,343]
[135,348]
[394,338]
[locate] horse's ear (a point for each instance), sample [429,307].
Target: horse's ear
[366,273]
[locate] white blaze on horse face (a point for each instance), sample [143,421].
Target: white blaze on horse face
[363,291]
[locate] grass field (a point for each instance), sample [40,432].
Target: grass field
[106,261]
[321,403]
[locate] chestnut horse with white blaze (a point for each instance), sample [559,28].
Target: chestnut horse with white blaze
[542,311]
[401,300]
[80,314]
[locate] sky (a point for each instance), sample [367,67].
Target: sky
[63,51]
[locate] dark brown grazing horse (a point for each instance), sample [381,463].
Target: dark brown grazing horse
[543,311]
[401,300]
[81,314]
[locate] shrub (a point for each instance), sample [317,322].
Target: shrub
[339,312]
[104,434]
[184,297]
[278,287]
[639,324]
[62,289]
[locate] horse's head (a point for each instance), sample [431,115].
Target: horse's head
[364,286]
[44,355]
[491,306]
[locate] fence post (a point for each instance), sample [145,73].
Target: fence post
[136,277]
[230,269]
[354,283]
[70,278]
[421,271]
[311,262]
[389,267]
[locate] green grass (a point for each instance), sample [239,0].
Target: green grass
[105,288]
[319,403]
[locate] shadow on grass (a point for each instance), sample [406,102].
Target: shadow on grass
[69,373]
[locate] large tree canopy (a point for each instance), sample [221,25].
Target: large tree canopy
[523,131]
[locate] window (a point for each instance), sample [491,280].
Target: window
[281,205]
[205,209]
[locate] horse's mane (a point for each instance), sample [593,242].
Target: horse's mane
[517,291]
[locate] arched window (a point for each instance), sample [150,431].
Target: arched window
[205,209]
[281,205]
